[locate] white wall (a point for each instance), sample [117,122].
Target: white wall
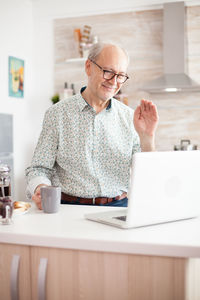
[23,36]
[16,31]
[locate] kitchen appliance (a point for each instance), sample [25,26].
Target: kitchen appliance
[5,184]
[5,193]
[185,145]
[6,146]
[175,78]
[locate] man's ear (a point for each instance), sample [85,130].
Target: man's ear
[88,67]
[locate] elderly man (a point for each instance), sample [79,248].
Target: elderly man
[88,140]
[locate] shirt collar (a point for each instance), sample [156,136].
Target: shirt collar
[83,103]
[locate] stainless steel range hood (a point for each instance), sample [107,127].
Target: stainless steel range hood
[175,78]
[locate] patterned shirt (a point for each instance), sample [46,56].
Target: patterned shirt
[88,154]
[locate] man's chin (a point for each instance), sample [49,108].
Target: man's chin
[107,96]
[108,92]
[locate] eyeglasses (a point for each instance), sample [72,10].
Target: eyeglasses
[108,75]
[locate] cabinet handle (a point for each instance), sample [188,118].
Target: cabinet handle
[42,279]
[14,277]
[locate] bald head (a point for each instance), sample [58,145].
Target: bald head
[102,48]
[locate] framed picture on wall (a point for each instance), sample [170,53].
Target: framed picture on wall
[15,77]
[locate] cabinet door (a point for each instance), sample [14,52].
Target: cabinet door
[89,275]
[193,279]
[17,272]
[61,280]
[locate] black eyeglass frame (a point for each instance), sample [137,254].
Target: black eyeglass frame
[111,72]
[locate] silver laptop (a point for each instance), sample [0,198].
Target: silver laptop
[164,187]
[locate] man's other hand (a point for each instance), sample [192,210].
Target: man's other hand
[37,196]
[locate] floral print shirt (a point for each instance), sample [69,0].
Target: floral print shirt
[87,154]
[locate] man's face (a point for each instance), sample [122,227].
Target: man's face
[111,59]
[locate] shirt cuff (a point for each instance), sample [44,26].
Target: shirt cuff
[34,182]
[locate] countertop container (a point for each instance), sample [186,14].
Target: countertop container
[185,145]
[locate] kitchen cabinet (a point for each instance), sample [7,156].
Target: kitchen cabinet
[61,280]
[74,274]
[64,256]
[15,276]
[86,275]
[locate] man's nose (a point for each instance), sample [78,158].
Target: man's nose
[114,79]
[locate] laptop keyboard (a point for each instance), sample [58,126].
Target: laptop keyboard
[121,218]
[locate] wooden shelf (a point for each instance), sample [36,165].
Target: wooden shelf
[74,60]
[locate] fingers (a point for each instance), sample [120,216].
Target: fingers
[146,105]
[137,112]
[144,108]
[155,112]
[37,198]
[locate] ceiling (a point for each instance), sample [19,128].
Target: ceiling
[67,8]
[137,3]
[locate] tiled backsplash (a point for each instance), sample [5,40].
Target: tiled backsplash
[141,34]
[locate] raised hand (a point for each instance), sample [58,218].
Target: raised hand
[145,122]
[146,118]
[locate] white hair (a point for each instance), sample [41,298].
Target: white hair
[96,49]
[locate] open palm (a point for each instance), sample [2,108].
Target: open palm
[146,118]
